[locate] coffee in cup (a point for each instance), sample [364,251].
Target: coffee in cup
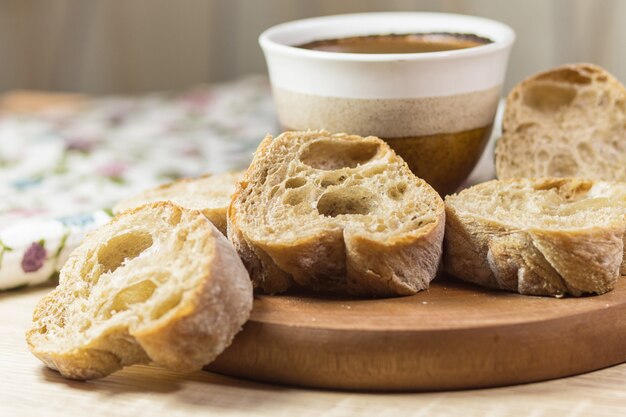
[411,43]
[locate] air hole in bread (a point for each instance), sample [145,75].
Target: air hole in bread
[333,179]
[567,75]
[164,306]
[294,198]
[375,170]
[86,326]
[136,293]
[549,184]
[586,152]
[621,106]
[563,166]
[604,99]
[589,69]
[262,175]
[618,145]
[565,187]
[524,127]
[123,248]
[174,217]
[542,156]
[588,97]
[336,154]
[296,182]
[548,98]
[353,200]
[396,192]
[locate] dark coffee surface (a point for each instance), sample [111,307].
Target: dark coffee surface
[398,44]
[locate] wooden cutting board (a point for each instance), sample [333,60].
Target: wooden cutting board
[453,336]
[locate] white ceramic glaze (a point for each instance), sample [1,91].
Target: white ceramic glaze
[382,76]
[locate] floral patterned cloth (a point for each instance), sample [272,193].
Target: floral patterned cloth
[61,170]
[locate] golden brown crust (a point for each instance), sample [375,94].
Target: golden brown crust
[91,325]
[527,256]
[208,193]
[337,256]
[369,255]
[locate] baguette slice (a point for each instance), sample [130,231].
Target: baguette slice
[208,193]
[335,213]
[550,236]
[566,122]
[157,284]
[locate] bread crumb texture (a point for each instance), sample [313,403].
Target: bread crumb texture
[566,122]
[157,284]
[549,236]
[209,193]
[335,213]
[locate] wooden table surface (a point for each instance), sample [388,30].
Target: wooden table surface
[29,389]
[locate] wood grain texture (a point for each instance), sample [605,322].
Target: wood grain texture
[28,389]
[455,336]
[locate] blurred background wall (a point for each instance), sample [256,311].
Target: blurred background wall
[127,46]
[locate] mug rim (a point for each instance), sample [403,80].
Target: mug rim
[506,36]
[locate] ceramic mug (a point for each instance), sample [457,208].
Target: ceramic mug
[436,109]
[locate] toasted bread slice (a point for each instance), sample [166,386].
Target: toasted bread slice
[566,122]
[335,213]
[157,284]
[550,236]
[208,193]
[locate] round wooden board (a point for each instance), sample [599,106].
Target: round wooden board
[454,336]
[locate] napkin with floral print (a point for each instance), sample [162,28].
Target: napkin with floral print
[61,170]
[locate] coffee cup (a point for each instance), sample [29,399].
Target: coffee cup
[436,109]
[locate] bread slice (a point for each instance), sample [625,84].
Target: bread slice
[208,193]
[566,122]
[156,284]
[550,236]
[335,213]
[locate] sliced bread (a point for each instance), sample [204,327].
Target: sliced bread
[208,193]
[157,284]
[550,236]
[335,213]
[566,122]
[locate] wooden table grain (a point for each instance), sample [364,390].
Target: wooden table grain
[28,389]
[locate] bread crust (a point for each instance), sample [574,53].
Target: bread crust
[212,199]
[530,260]
[187,336]
[340,259]
[564,122]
